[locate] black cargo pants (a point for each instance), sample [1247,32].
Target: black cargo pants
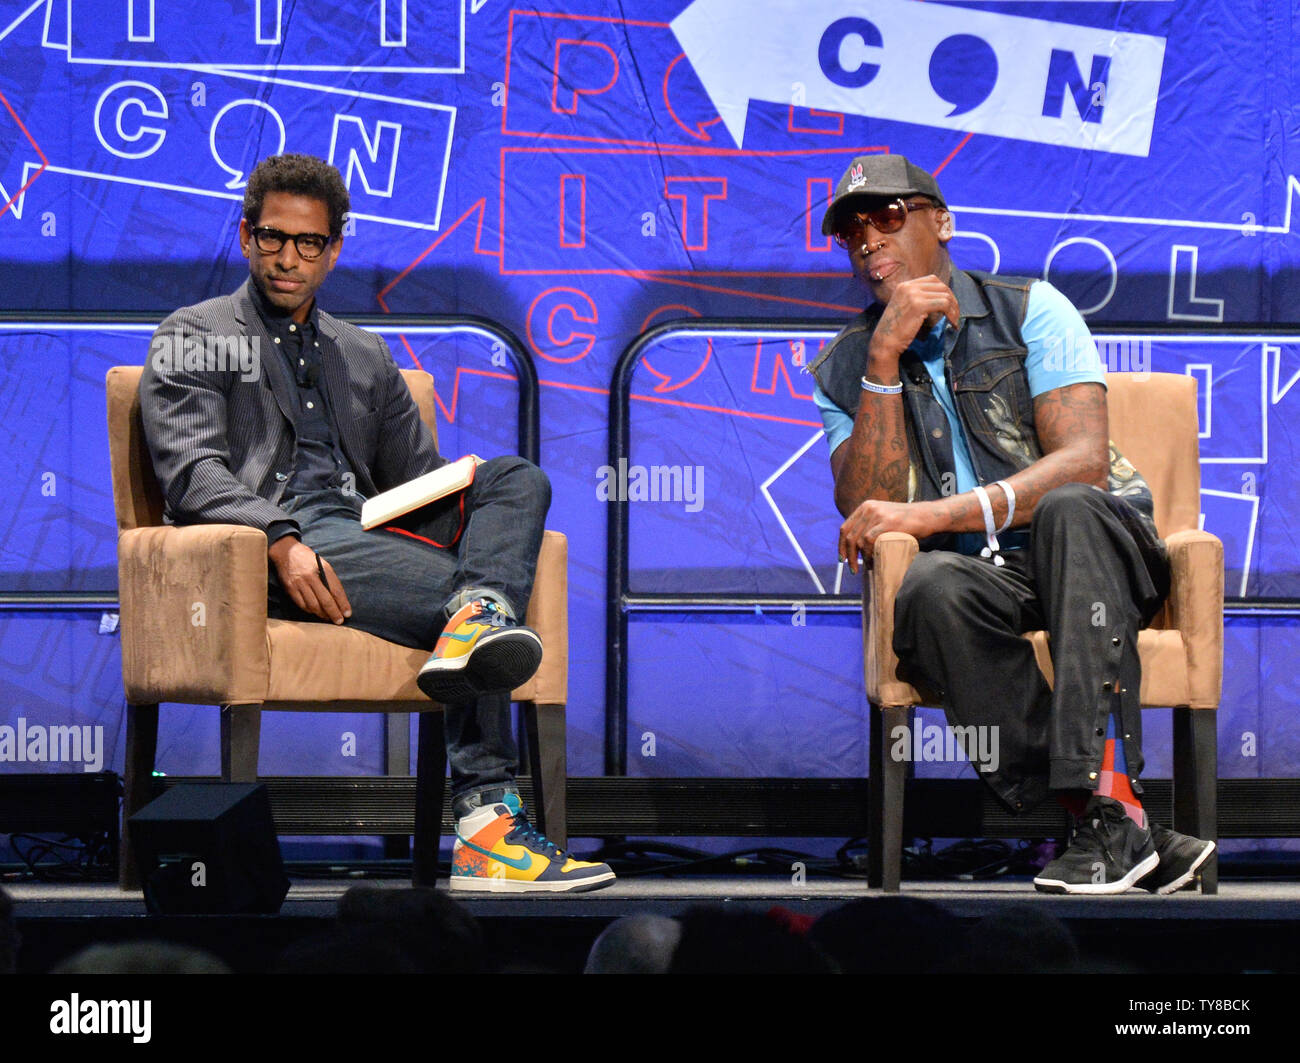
[1092,575]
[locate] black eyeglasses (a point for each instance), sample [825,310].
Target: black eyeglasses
[309,245]
[851,228]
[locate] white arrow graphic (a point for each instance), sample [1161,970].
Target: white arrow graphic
[885,59]
[1279,393]
[1292,194]
[16,207]
[20,19]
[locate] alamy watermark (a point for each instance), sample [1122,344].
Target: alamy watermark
[656,483]
[1072,353]
[77,1016]
[176,352]
[934,744]
[38,744]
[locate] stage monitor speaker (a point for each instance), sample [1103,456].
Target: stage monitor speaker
[208,849]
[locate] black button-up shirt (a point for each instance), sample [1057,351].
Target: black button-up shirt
[319,461]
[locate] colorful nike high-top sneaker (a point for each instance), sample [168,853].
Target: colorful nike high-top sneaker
[482,650]
[498,851]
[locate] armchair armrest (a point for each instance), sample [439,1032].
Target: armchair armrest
[1196,610]
[893,554]
[193,604]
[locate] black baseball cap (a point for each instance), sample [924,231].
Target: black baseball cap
[881,175]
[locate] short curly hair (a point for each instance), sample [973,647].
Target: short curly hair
[300,175]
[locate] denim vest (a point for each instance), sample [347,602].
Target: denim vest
[984,363]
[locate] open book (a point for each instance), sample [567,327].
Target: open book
[450,478]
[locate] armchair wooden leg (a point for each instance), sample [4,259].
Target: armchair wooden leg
[430,772]
[885,789]
[397,743]
[1196,780]
[241,727]
[548,765]
[141,749]
[397,761]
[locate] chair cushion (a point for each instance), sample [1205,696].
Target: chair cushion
[321,662]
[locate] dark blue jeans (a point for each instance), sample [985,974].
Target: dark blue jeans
[404,585]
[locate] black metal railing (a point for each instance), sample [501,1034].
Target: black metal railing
[622,602]
[529,404]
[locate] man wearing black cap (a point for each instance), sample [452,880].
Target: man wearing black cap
[969,410]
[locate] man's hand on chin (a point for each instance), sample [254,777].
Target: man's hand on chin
[873,518]
[301,571]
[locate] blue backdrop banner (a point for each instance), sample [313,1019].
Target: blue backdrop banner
[583,172]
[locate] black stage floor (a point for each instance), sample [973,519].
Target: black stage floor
[313,898]
[1249,925]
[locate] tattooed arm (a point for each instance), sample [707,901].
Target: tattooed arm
[873,462]
[1073,433]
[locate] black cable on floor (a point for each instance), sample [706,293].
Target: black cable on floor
[69,858]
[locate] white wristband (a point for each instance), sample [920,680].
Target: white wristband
[992,549]
[882,389]
[1009,491]
[990,528]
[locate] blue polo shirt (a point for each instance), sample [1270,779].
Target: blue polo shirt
[1061,352]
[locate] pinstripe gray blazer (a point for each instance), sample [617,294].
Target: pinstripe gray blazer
[215,397]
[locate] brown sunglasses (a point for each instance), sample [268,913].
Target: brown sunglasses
[851,228]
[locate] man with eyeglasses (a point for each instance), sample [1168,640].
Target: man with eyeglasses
[323,421]
[969,410]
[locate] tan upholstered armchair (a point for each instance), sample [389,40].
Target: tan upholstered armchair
[1153,422]
[245,663]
